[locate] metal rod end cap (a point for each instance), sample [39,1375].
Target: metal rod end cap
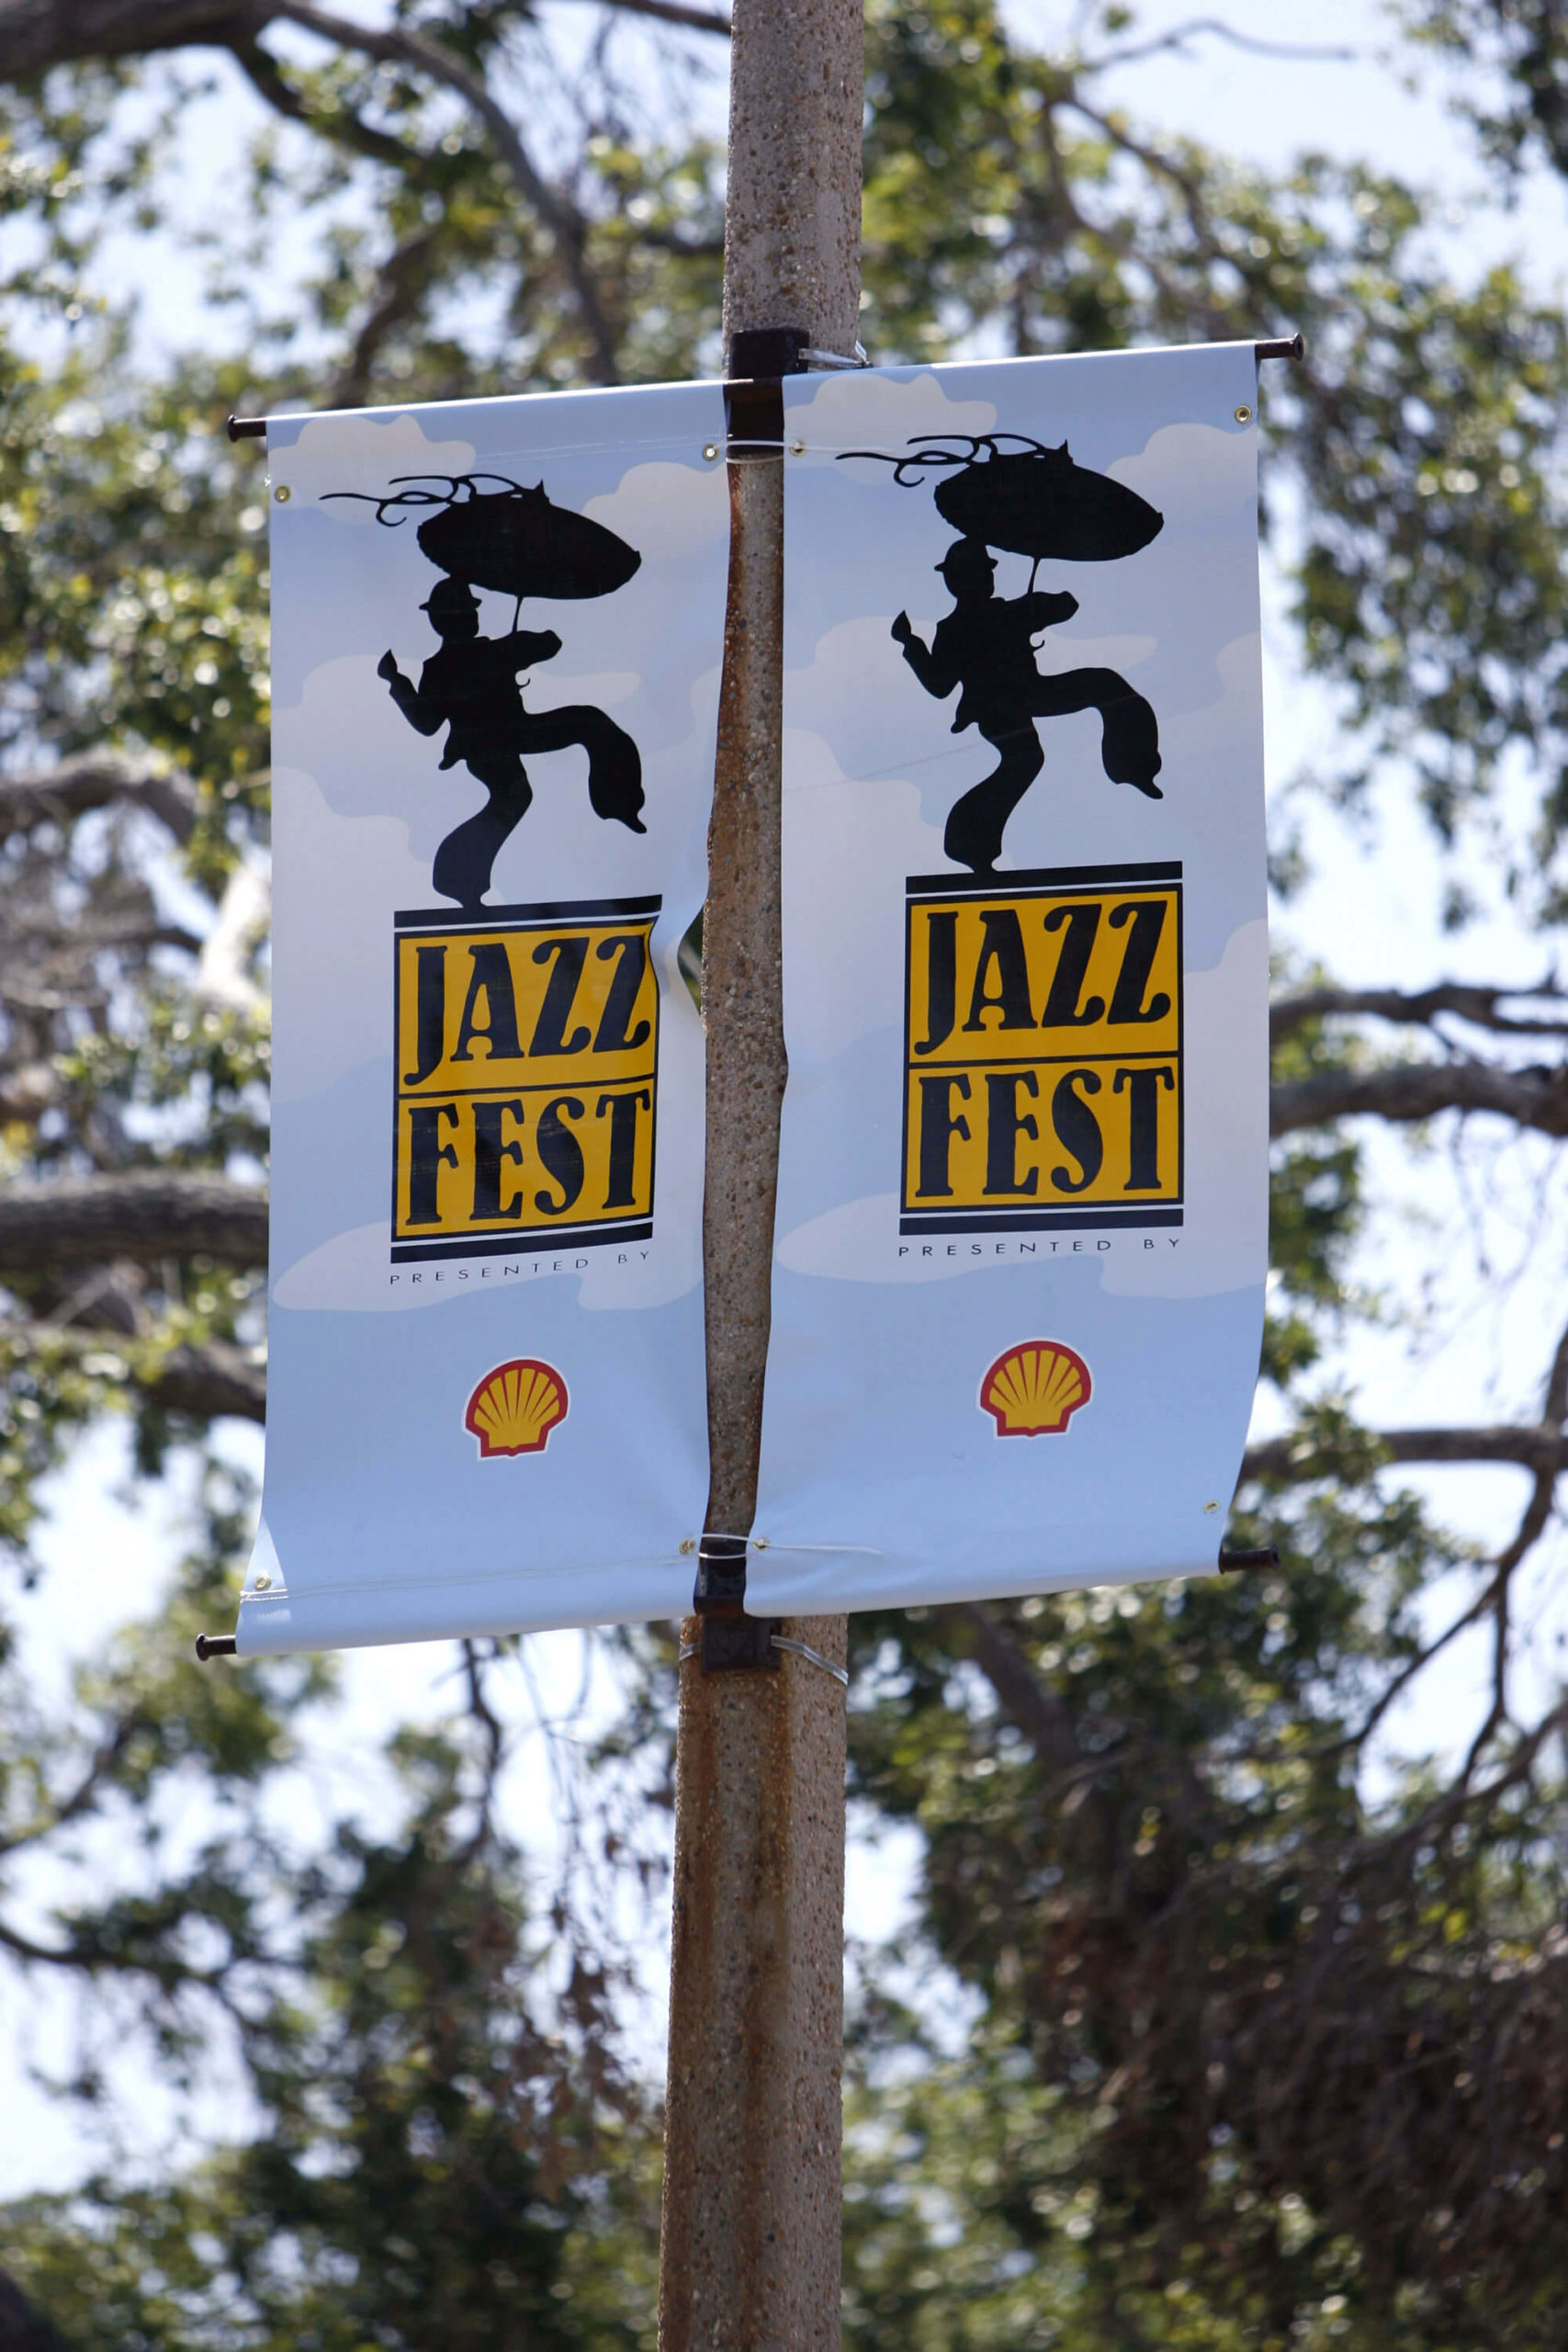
[1234,1563]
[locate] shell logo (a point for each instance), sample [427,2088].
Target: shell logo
[516,1407]
[1035,1388]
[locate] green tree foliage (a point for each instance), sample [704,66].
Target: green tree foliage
[1262,2048]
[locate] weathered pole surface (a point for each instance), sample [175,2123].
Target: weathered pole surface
[749,2253]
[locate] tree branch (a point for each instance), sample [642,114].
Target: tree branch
[1543,1450]
[400,283]
[38,34]
[222,973]
[169,1974]
[1406,1091]
[25,1949]
[669,12]
[272,85]
[70,1808]
[23,2327]
[1038,1713]
[205,1379]
[93,780]
[144,1216]
[395,45]
[1477,1005]
[1217,30]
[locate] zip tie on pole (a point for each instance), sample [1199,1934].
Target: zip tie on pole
[784,1642]
[858,359]
[805,1650]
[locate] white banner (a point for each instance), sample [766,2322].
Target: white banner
[497,635]
[1023,1222]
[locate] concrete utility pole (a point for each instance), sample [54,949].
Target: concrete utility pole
[750,2257]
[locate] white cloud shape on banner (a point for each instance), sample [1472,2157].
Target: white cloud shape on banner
[852,408]
[866,700]
[859,1242]
[1216,727]
[665,510]
[350,1274]
[361,452]
[841,827]
[1183,470]
[334,942]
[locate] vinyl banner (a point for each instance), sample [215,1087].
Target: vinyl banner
[1022,1231]
[497,631]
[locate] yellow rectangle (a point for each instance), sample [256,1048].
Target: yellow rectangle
[1013,978]
[526,1081]
[537,1160]
[1062,1134]
[1043,1051]
[520,1006]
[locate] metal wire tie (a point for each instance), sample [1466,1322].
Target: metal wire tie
[836,358]
[784,1642]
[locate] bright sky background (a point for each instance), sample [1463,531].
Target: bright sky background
[1476,1239]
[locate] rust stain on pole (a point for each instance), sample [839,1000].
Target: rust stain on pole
[749,2255]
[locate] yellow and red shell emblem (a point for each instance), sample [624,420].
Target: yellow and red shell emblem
[1034,1389]
[516,1407]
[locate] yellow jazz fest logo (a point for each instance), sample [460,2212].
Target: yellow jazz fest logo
[527,1058]
[1042,1050]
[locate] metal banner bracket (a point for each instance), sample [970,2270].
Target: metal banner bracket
[753,401]
[760,357]
[730,1640]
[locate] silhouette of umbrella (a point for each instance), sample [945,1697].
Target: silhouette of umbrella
[520,542]
[1027,499]
[1036,502]
[515,540]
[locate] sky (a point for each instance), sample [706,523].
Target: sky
[1477,1239]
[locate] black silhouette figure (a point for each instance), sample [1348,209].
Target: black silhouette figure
[985,647]
[469,687]
[518,541]
[1033,501]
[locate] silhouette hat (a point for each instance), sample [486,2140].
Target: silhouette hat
[966,555]
[449,597]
